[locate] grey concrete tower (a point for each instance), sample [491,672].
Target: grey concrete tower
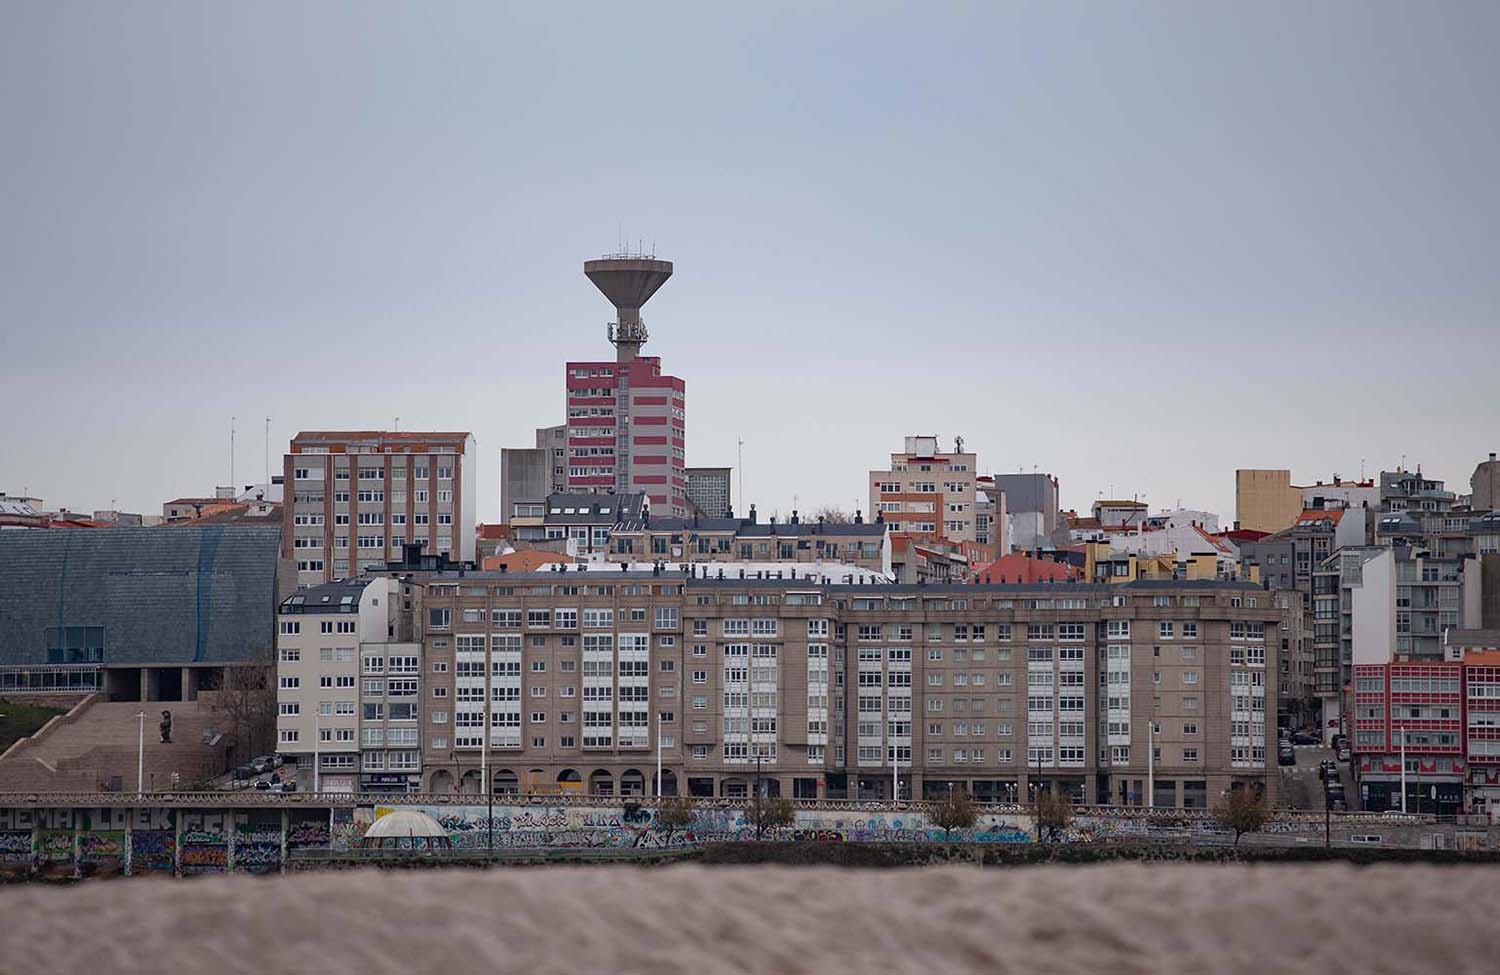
[628,282]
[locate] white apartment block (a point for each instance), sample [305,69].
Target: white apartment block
[349,686]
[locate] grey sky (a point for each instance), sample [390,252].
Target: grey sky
[1137,245]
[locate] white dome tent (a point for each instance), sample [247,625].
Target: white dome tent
[406,829]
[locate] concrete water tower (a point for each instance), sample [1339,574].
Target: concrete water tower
[628,281]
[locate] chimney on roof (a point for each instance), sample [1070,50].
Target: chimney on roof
[859,517]
[795,520]
[753,515]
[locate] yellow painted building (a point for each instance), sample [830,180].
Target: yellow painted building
[1265,500]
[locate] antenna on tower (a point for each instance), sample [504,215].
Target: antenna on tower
[268,456]
[231,451]
[628,281]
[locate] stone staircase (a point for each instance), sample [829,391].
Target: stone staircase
[94,748]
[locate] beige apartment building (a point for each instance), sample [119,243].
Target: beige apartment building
[352,499]
[861,543]
[927,492]
[349,679]
[1148,693]
[1265,500]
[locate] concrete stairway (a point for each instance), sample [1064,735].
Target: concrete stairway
[98,745]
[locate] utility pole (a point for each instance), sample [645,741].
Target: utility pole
[317,748]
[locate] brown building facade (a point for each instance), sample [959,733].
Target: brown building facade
[1152,692]
[354,498]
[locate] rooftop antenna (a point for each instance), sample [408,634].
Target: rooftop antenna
[397,427]
[741,462]
[231,450]
[1361,468]
[268,455]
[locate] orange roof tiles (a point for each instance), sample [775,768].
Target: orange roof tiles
[1024,569]
[525,560]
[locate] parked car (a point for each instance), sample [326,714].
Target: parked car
[1304,738]
[1285,756]
[262,784]
[244,772]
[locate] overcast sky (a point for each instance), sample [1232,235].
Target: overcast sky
[1137,245]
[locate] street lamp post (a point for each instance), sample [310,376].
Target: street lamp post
[140,755]
[895,776]
[1327,811]
[1151,762]
[1403,768]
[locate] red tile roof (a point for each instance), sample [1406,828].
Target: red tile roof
[525,560]
[1024,569]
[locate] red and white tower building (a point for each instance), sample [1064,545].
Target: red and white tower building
[627,419]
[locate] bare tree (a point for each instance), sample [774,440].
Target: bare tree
[246,703]
[1243,810]
[1054,812]
[674,813]
[768,812]
[954,811]
[832,515]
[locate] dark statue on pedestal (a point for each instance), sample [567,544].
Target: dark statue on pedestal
[166,727]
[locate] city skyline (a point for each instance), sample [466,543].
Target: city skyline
[1074,238]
